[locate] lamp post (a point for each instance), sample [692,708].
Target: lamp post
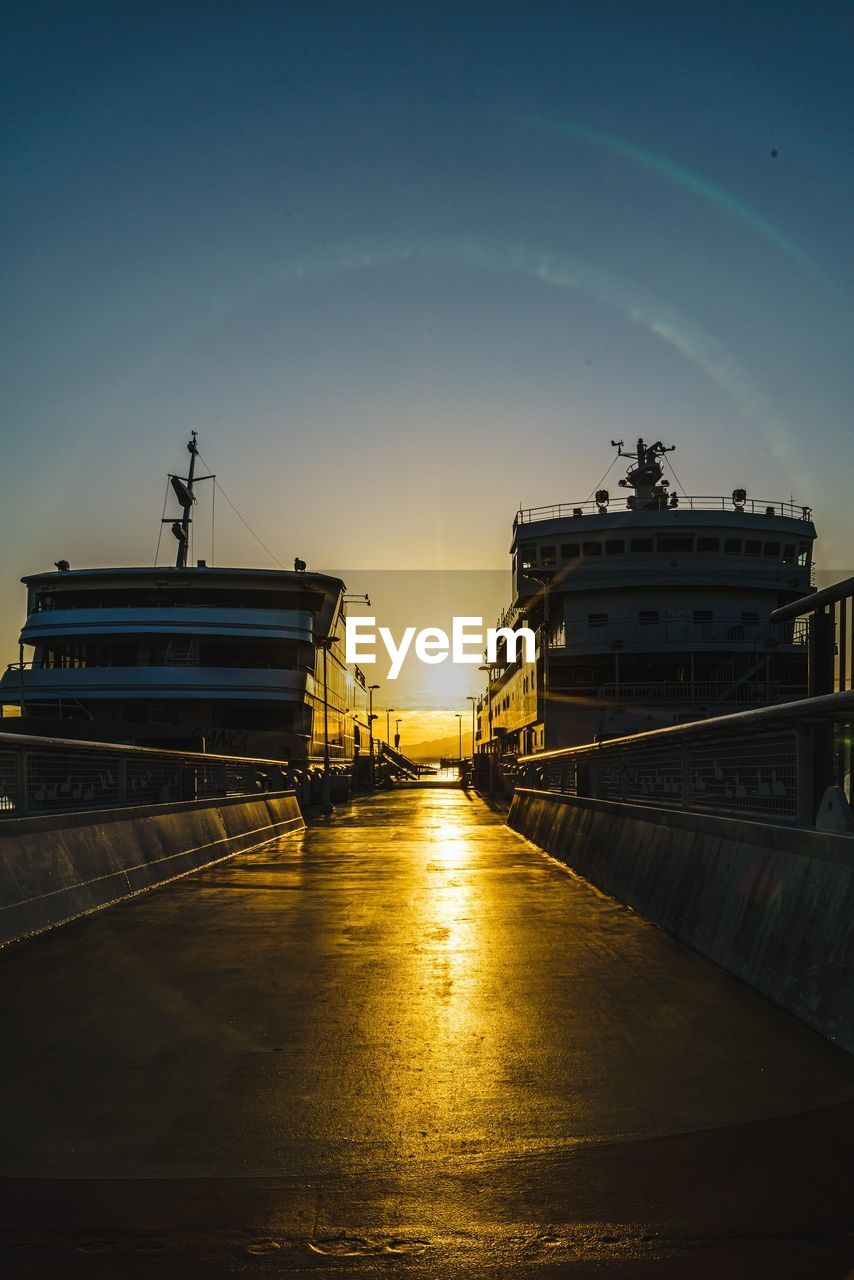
[473,700]
[388,726]
[460,724]
[326,644]
[490,752]
[397,725]
[544,578]
[371,719]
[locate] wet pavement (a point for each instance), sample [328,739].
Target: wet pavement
[408,1043]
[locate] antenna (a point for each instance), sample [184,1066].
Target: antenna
[182,487]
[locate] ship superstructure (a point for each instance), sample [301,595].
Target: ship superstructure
[649,612]
[189,656]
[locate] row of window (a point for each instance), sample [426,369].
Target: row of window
[669,544]
[652,617]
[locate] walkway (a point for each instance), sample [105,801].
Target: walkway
[408,1043]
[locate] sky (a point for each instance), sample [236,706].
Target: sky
[405,268]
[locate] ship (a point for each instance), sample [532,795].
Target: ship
[647,612]
[197,657]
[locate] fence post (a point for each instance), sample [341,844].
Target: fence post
[23,776]
[821,645]
[804,776]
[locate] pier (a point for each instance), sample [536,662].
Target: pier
[405,1041]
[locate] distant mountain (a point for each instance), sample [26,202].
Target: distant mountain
[436,748]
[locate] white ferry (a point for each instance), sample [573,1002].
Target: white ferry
[648,613]
[189,657]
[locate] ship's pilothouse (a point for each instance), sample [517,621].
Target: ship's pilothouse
[649,612]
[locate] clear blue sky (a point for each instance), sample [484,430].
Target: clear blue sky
[404,267]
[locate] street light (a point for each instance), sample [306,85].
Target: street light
[388,726]
[326,643]
[460,719]
[397,725]
[490,748]
[371,719]
[473,700]
[544,578]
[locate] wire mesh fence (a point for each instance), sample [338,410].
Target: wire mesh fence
[40,777]
[774,764]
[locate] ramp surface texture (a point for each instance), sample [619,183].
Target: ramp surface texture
[406,1042]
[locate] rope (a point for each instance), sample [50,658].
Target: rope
[241,518]
[605,477]
[675,477]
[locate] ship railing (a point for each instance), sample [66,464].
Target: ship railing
[677,632]
[762,764]
[752,506]
[236,664]
[649,692]
[40,776]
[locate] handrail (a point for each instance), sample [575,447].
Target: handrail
[829,707]
[773,764]
[12,741]
[843,590]
[42,775]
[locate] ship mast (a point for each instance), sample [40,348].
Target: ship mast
[645,477]
[183,489]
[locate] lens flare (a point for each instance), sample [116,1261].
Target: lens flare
[681,177]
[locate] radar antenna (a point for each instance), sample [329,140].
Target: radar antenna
[645,475]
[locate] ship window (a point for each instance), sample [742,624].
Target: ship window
[615,547]
[648,617]
[708,545]
[676,544]
[803,555]
[547,555]
[732,546]
[771,549]
[569,551]
[641,544]
[750,619]
[789,551]
[597,620]
[592,548]
[702,616]
[752,547]
[528,552]
[582,675]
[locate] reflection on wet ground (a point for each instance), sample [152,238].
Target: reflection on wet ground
[407,1042]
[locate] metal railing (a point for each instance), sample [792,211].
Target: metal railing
[651,692]
[753,506]
[677,631]
[829,617]
[760,764]
[59,775]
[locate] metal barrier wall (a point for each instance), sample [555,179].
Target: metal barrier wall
[58,775]
[754,764]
